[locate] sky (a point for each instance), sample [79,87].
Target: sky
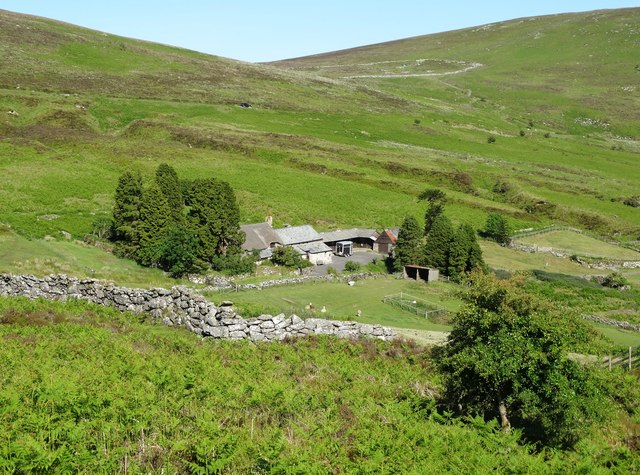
[268,30]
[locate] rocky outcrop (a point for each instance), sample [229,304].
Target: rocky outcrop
[181,306]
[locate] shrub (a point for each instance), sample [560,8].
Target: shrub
[235,263]
[522,133]
[288,257]
[332,270]
[351,266]
[615,280]
[491,139]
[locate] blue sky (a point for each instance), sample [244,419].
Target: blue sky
[268,30]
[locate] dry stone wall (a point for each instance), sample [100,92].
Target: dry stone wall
[181,306]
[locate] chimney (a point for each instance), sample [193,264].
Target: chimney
[269,220]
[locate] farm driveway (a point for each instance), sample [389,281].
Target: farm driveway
[361,256]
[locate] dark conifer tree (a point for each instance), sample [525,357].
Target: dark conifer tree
[167,180]
[459,254]
[497,228]
[438,244]
[155,220]
[436,200]
[126,213]
[407,249]
[214,218]
[474,257]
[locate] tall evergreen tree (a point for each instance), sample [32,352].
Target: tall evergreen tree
[126,213]
[437,247]
[167,180]
[214,217]
[436,200]
[407,249]
[497,228]
[474,257]
[465,253]
[459,254]
[155,220]
[434,209]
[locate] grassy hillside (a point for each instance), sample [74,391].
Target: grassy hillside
[87,390]
[79,107]
[554,69]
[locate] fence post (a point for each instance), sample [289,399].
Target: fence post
[609,362]
[629,359]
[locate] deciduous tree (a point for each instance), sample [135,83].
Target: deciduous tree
[507,358]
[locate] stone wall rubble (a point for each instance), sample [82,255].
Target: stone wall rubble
[182,306]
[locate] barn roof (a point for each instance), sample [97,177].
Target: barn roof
[348,234]
[312,248]
[259,236]
[297,235]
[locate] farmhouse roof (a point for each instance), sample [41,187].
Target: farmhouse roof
[348,234]
[392,234]
[312,248]
[297,235]
[259,236]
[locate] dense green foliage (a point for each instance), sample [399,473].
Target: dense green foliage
[84,389]
[214,217]
[153,224]
[497,228]
[289,257]
[126,213]
[178,251]
[436,199]
[437,248]
[507,357]
[464,253]
[149,224]
[168,181]
[408,244]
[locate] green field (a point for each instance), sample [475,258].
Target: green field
[575,243]
[342,301]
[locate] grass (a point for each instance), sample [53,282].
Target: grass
[342,302]
[498,257]
[579,244]
[39,257]
[85,389]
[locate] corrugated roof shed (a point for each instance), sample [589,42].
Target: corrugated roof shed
[297,234]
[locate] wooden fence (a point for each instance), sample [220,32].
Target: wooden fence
[628,360]
[415,305]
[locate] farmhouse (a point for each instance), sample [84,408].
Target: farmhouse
[359,238]
[261,237]
[307,242]
[386,241]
